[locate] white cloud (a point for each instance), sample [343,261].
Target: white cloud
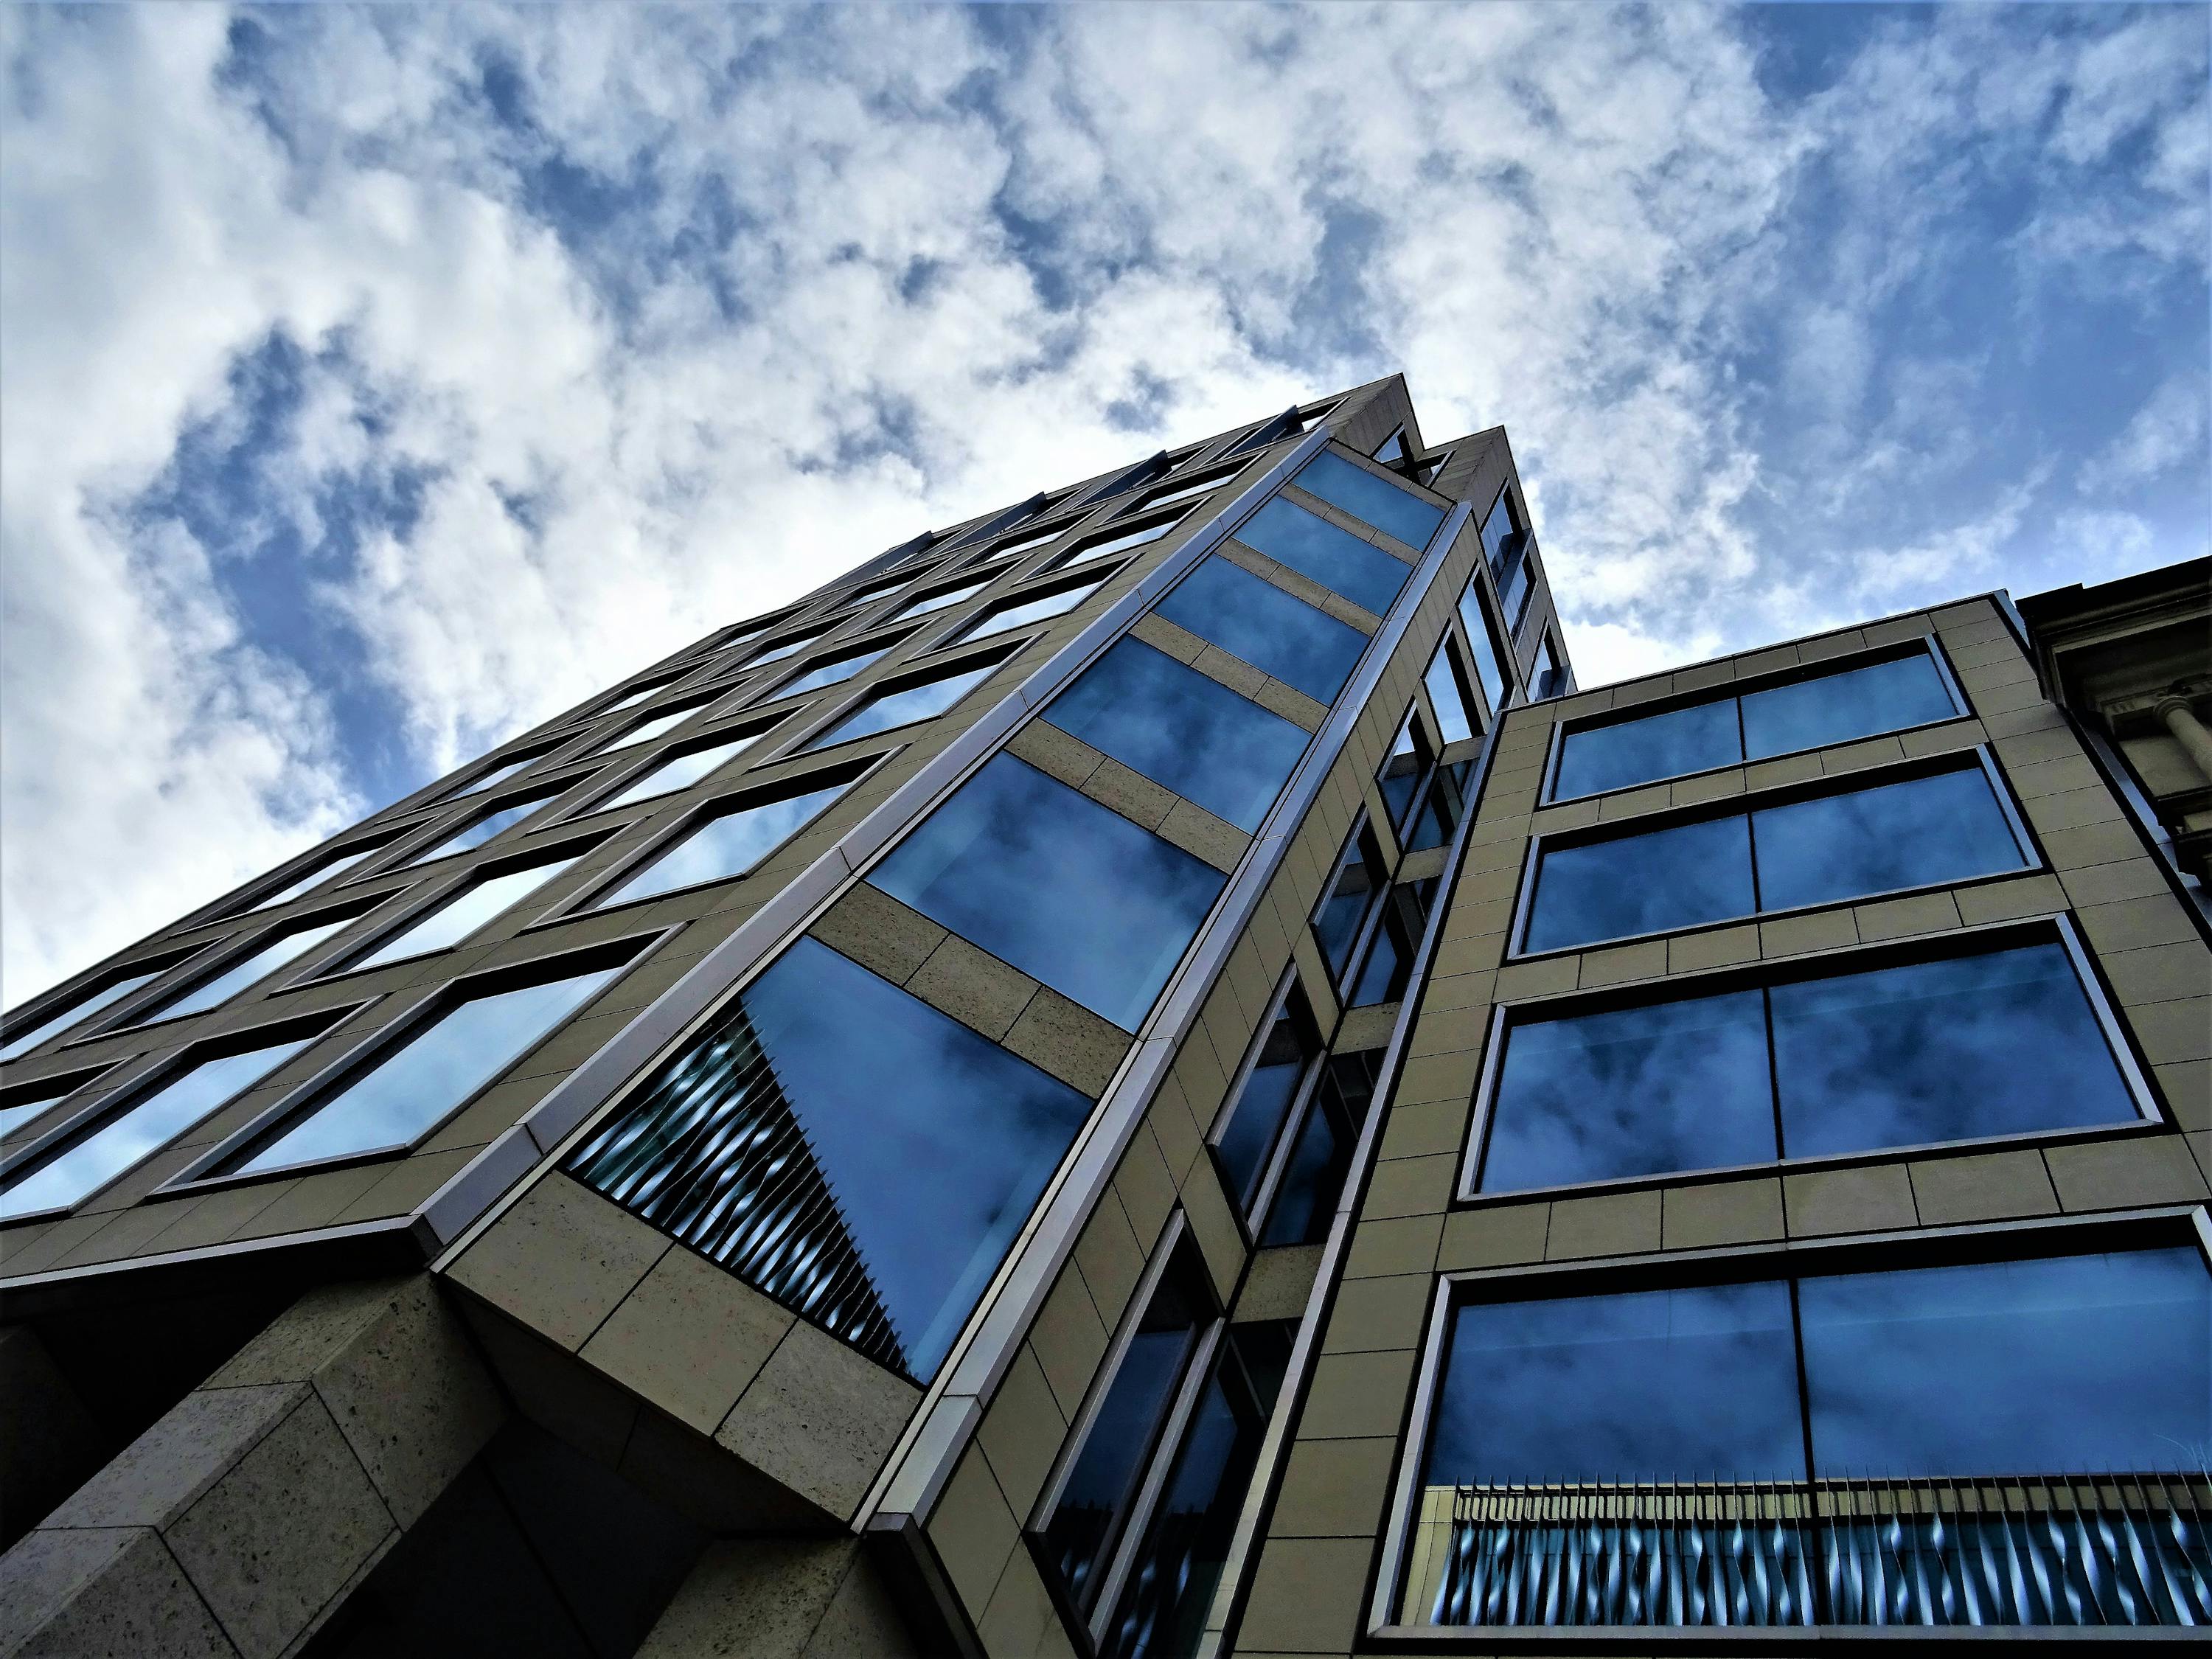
[2168,432]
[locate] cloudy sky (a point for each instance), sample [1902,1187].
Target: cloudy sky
[375,382]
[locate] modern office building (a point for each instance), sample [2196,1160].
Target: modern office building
[1145,1075]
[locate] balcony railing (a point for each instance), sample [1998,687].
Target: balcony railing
[2080,1550]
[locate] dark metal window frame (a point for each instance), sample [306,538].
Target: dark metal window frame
[1428,751]
[1482,585]
[1978,757]
[1795,674]
[1250,1221]
[1362,837]
[924,671]
[614,779]
[1949,944]
[219,957]
[421,838]
[2148,1227]
[1082,553]
[56,1003]
[1093,577]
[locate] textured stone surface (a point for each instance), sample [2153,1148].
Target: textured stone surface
[819,1419]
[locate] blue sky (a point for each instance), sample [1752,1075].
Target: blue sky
[378,381]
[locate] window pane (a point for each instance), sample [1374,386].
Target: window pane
[1258,622]
[151,1122]
[1353,890]
[786,648]
[1183,492]
[1118,544]
[466,911]
[257,966]
[1647,1385]
[1666,879]
[1103,1482]
[1838,707]
[929,602]
[681,772]
[82,1009]
[1500,534]
[1514,589]
[12,1118]
[1657,746]
[833,672]
[889,709]
[1390,509]
[1389,962]
[477,831]
[1455,718]
[646,731]
[1029,610]
[1305,1198]
[846,1149]
[1337,559]
[1633,1091]
[2093,1363]
[635,697]
[1016,862]
[1189,733]
[413,1086]
[1472,613]
[320,872]
[1997,1044]
[497,774]
[1270,1090]
[1945,828]
[1403,771]
[1441,811]
[1393,449]
[725,846]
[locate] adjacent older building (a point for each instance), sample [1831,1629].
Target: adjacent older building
[1145,1075]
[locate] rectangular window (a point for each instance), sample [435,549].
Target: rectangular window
[1397,935]
[1961,1047]
[409,1087]
[1259,622]
[834,672]
[1116,540]
[1272,1089]
[903,705]
[726,843]
[1944,826]
[26,1106]
[464,914]
[1304,1198]
[484,825]
[1458,718]
[1482,639]
[1030,543]
[81,1008]
[1019,612]
[784,1143]
[1997,1443]
[1505,542]
[1825,709]
[499,774]
[1441,808]
[1548,679]
[681,771]
[1171,492]
[123,1139]
[658,727]
[1017,862]
[316,874]
[1390,507]
[941,599]
[1309,544]
[788,647]
[1404,771]
[1393,450]
[286,943]
[1187,732]
[631,699]
[1348,903]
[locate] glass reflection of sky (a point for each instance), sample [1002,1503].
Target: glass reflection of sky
[1884,697]
[1473,614]
[1673,877]
[1391,509]
[2002,1043]
[1678,1085]
[724,846]
[1337,559]
[1680,1383]
[1455,719]
[1256,620]
[935,1143]
[1052,882]
[1945,828]
[1182,730]
[1656,746]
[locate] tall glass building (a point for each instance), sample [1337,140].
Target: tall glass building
[1145,1075]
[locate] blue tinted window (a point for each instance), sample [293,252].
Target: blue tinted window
[1474,614]
[1837,708]
[256,966]
[1029,610]
[1258,622]
[1182,730]
[833,672]
[317,874]
[2001,1043]
[1945,828]
[938,601]
[150,1122]
[402,1095]
[1633,1091]
[466,911]
[1269,1091]
[2049,1367]
[82,1009]
[681,771]
[15,1117]
[1646,884]
[1402,772]
[1121,541]
[846,1149]
[1602,758]
[791,647]
[659,726]
[1312,1181]
[886,710]
[1337,559]
[1050,881]
[477,831]
[1500,534]
[1456,720]
[1393,510]
[724,846]
[1441,808]
[1354,889]
[497,774]
[1633,1387]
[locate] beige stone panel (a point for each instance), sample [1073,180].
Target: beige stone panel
[1069,1339]
[2090,843]
[1213,1227]
[1618,966]
[1021,1613]
[877,931]
[1501,1236]
[1411,1186]
[2065,775]
[1069,1042]
[1355,1396]
[1053,752]
[2113,1175]
[2161,973]
[1819,930]
[1544,976]
[1571,815]
[1988,1187]
[1130,793]
[2111,883]
[1857,757]
[1466,995]
[689,1338]
[1384,1315]
[2187,1086]
[1702,1217]
[1022,1432]
[2075,810]
[1434,1126]
[1147,1188]
[1383,1247]
[1306,1596]
[1716,947]
[559,1260]
[2137,924]
[974,1531]
[973,986]
[1788,769]
[2003,901]
[1926,912]
[1712,786]
[1704,676]
[819,1419]
[1943,740]
[1334,1488]
[1109,1258]
[1867,1198]
[1439,1077]
[1634,803]
[115,1591]
[1615,1223]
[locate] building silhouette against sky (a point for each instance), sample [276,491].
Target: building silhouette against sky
[1145,1075]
